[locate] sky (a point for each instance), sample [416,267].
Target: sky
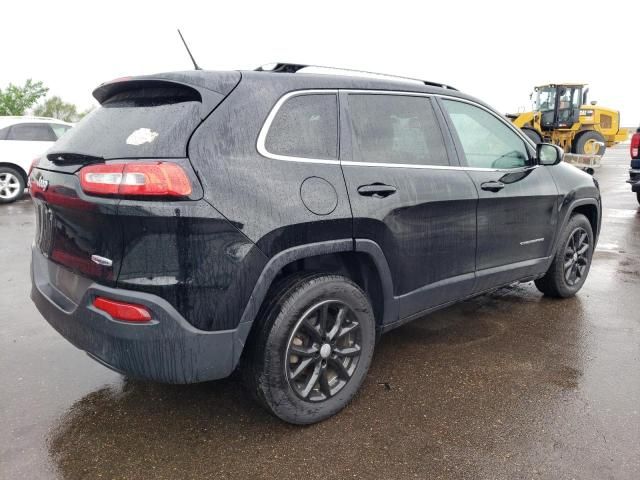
[494,50]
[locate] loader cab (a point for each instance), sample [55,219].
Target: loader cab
[559,105]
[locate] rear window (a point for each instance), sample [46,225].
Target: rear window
[137,123]
[305,126]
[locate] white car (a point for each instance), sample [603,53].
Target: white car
[22,139]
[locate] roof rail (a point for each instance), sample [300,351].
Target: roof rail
[296,67]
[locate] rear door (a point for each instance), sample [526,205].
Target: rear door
[517,212]
[407,197]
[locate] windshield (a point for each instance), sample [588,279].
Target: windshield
[545,99]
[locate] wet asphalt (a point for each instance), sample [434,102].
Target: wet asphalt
[509,385]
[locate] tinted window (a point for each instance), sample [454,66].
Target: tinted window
[35,132]
[137,123]
[487,142]
[59,129]
[3,133]
[396,129]
[305,126]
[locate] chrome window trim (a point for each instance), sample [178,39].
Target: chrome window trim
[262,136]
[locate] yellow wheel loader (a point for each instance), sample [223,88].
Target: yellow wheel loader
[562,116]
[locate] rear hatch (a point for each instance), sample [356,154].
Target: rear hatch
[143,122]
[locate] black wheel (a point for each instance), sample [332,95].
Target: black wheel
[313,349]
[11,185]
[638,196]
[533,135]
[572,260]
[589,143]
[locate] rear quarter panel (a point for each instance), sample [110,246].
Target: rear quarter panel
[259,195]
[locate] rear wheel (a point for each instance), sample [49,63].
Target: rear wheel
[572,260]
[589,143]
[313,349]
[533,135]
[11,185]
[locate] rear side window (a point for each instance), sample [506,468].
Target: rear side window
[396,129]
[31,132]
[59,129]
[305,126]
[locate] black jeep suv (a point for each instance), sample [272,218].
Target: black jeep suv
[279,221]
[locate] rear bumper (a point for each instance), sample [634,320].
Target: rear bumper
[168,349]
[634,179]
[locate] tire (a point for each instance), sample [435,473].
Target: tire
[12,185]
[558,281]
[287,383]
[638,196]
[533,135]
[585,140]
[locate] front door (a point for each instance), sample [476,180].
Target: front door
[407,197]
[517,212]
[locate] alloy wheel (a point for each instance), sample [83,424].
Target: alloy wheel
[323,351]
[9,186]
[576,256]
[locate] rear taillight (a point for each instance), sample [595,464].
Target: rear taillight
[635,145]
[123,311]
[34,164]
[143,179]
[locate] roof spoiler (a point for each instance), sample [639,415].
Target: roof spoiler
[207,98]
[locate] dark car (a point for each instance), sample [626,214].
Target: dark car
[279,221]
[634,171]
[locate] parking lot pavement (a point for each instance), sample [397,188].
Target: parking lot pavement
[505,386]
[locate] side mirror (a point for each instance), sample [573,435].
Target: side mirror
[549,154]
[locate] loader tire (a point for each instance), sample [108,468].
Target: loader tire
[533,135]
[585,143]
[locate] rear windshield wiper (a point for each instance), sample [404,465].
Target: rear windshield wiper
[65,158]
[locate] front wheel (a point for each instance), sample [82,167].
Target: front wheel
[313,349]
[571,263]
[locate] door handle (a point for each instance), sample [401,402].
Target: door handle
[377,190]
[492,186]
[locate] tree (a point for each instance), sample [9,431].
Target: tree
[57,108]
[15,100]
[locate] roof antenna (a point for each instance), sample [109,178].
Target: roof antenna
[188,51]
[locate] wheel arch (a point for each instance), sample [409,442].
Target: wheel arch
[590,208]
[362,261]
[17,168]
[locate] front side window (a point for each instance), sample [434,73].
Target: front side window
[545,99]
[33,132]
[396,129]
[305,126]
[487,142]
